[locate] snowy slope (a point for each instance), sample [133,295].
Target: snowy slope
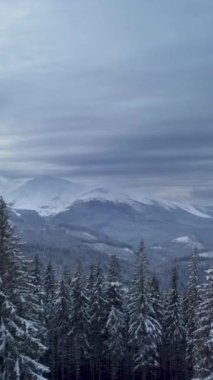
[188,208]
[8,185]
[50,195]
[46,195]
[188,241]
[117,196]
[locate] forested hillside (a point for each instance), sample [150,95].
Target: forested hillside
[96,326]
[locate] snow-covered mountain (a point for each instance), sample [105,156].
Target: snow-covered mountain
[50,195]
[8,185]
[71,220]
[47,195]
[188,242]
[104,194]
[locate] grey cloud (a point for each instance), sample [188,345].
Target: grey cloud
[108,89]
[203,195]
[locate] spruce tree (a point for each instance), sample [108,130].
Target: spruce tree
[173,333]
[157,305]
[20,346]
[144,329]
[49,297]
[116,320]
[97,314]
[203,335]
[90,280]
[61,322]
[190,304]
[78,321]
[37,294]
[156,299]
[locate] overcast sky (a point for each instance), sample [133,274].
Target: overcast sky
[109,91]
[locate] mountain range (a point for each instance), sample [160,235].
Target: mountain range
[69,222]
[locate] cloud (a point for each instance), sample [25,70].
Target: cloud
[107,90]
[203,195]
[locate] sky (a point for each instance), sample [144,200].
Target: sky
[114,91]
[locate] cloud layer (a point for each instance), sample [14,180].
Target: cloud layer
[108,90]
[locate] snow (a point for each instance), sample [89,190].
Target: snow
[206,255]
[113,195]
[122,253]
[183,239]
[194,211]
[189,241]
[83,235]
[157,247]
[167,204]
[16,213]
[8,185]
[87,235]
[50,195]
[117,196]
[46,195]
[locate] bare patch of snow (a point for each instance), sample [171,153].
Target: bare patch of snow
[189,241]
[206,255]
[183,239]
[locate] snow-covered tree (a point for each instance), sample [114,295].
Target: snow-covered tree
[49,298]
[61,323]
[35,282]
[37,279]
[203,335]
[97,314]
[20,346]
[78,321]
[116,319]
[190,304]
[156,299]
[144,329]
[173,333]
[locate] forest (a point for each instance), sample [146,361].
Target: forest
[95,326]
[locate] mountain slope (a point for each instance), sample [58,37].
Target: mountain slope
[153,222]
[46,194]
[63,221]
[50,195]
[67,245]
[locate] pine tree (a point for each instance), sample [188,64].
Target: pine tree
[203,335]
[173,333]
[116,320]
[37,294]
[97,314]
[62,324]
[49,297]
[90,280]
[156,299]
[78,321]
[157,305]
[37,279]
[190,305]
[144,329]
[20,347]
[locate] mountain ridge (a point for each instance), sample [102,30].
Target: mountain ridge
[50,195]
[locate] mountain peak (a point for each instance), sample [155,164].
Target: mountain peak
[45,194]
[50,194]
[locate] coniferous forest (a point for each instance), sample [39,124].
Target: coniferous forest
[94,326]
